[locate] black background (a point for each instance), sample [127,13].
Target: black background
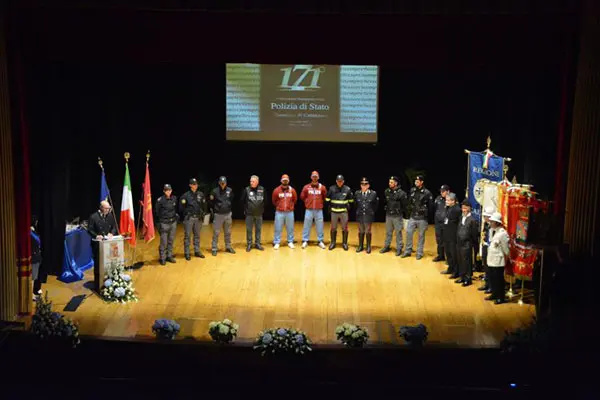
[105,82]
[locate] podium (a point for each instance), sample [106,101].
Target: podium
[111,252]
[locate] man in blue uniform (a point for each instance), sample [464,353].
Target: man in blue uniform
[166,212]
[193,207]
[253,199]
[221,199]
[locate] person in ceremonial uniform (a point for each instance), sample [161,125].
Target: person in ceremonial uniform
[497,255]
[340,198]
[366,205]
[420,200]
[253,199]
[192,208]
[487,213]
[221,199]
[468,239]
[395,212]
[166,213]
[284,199]
[101,225]
[439,217]
[313,195]
[449,236]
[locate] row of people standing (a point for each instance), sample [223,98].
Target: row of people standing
[193,206]
[460,234]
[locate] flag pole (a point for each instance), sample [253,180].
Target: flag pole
[137,229]
[112,206]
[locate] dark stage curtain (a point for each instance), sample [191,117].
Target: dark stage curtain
[22,195]
[51,162]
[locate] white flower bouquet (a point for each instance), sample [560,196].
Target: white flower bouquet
[223,331]
[282,341]
[352,335]
[51,326]
[118,286]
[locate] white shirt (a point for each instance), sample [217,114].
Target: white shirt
[464,218]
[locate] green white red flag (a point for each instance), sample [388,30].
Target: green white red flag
[127,220]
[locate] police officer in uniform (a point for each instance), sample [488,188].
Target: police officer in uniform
[100,225]
[253,199]
[221,199]
[468,239]
[166,212]
[440,214]
[340,198]
[366,205]
[420,200]
[192,207]
[395,211]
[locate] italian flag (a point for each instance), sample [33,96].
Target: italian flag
[127,221]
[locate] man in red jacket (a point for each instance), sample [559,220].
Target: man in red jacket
[313,195]
[284,199]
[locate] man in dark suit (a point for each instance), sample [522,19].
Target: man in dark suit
[467,239]
[101,225]
[449,227]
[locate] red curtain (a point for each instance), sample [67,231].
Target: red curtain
[22,198]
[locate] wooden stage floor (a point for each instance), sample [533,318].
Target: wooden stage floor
[312,289]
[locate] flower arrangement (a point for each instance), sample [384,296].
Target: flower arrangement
[118,286]
[352,335]
[165,329]
[282,341]
[52,326]
[414,335]
[223,331]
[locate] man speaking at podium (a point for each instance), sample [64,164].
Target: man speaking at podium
[101,225]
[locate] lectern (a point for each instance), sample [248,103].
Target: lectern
[111,253]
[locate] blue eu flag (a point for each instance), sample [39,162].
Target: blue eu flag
[103,188]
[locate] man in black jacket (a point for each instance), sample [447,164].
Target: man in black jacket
[340,197]
[395,212]
[221,200]
[101,225]
[166,213]
[192,207]
[468,239]
[439,216]
[253,199]
[449,228]
[420,201]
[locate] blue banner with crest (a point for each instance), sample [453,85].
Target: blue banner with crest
[477,170]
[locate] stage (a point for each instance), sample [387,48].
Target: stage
[313,289]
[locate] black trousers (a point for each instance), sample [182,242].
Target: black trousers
[496,280]
[451,256]
[465,260]
[439,240]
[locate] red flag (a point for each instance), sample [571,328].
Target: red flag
[147,217]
